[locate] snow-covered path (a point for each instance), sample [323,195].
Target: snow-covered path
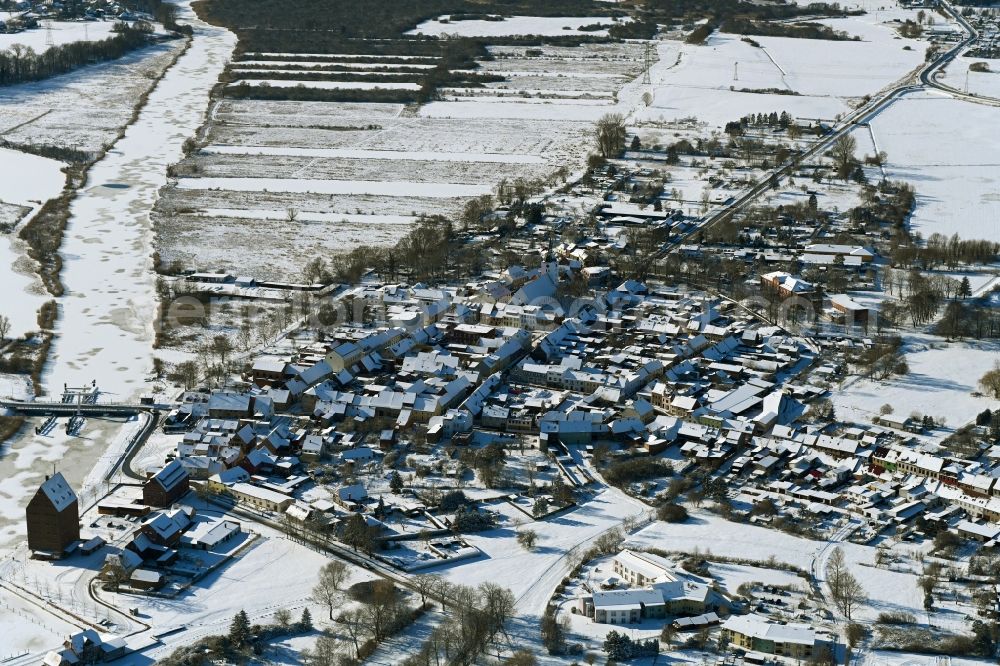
[105,330]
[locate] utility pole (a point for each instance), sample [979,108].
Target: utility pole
[648,55]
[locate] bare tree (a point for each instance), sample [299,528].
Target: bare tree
[845,590]
[852,595]
[327,589]
[326,652]
[843,150]
[426,585]
[4,327]
[527,539]
[380,608]
[186,374]
[353,622]
[836,567]
[611,135]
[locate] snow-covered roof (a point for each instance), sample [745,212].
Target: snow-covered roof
[759,627]
[58,492]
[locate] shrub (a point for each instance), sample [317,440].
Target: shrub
[672,513]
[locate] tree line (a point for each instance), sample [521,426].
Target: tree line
[21,64]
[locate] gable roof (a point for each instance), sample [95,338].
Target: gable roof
[58,492]
[171,476]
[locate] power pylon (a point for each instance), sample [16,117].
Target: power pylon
[648,64]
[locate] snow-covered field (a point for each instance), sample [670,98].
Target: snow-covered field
[533,575]
[25,627]
[940,383]
[305,185]
[947,149]
[497,158]
[828,76]
[979,83]
[28,179]
[374,165]
[27,182]
[86,108]
[708,533]
[300,65]
[58,33]
[513,25]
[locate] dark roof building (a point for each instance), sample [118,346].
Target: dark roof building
[166,486]
[53,517]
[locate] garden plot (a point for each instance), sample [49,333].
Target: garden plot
[329,116]
[221,241]
[497,158]
[947,149]
[57,32]
[513,25]
[343,169]
[328,85]
[326,65]
[86,108]
[315,186]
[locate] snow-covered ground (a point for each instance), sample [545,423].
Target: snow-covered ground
[497,158]
[56,33]
[979,83]
[706,81]
[940,383]
[296,65]
[708,533]
[533,575]
[947,149]
[393,188]
[513,25]
[26,181]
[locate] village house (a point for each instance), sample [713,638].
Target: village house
[786,285]
[166,486]
[86,647]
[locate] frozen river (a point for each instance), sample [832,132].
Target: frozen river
[105,329]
